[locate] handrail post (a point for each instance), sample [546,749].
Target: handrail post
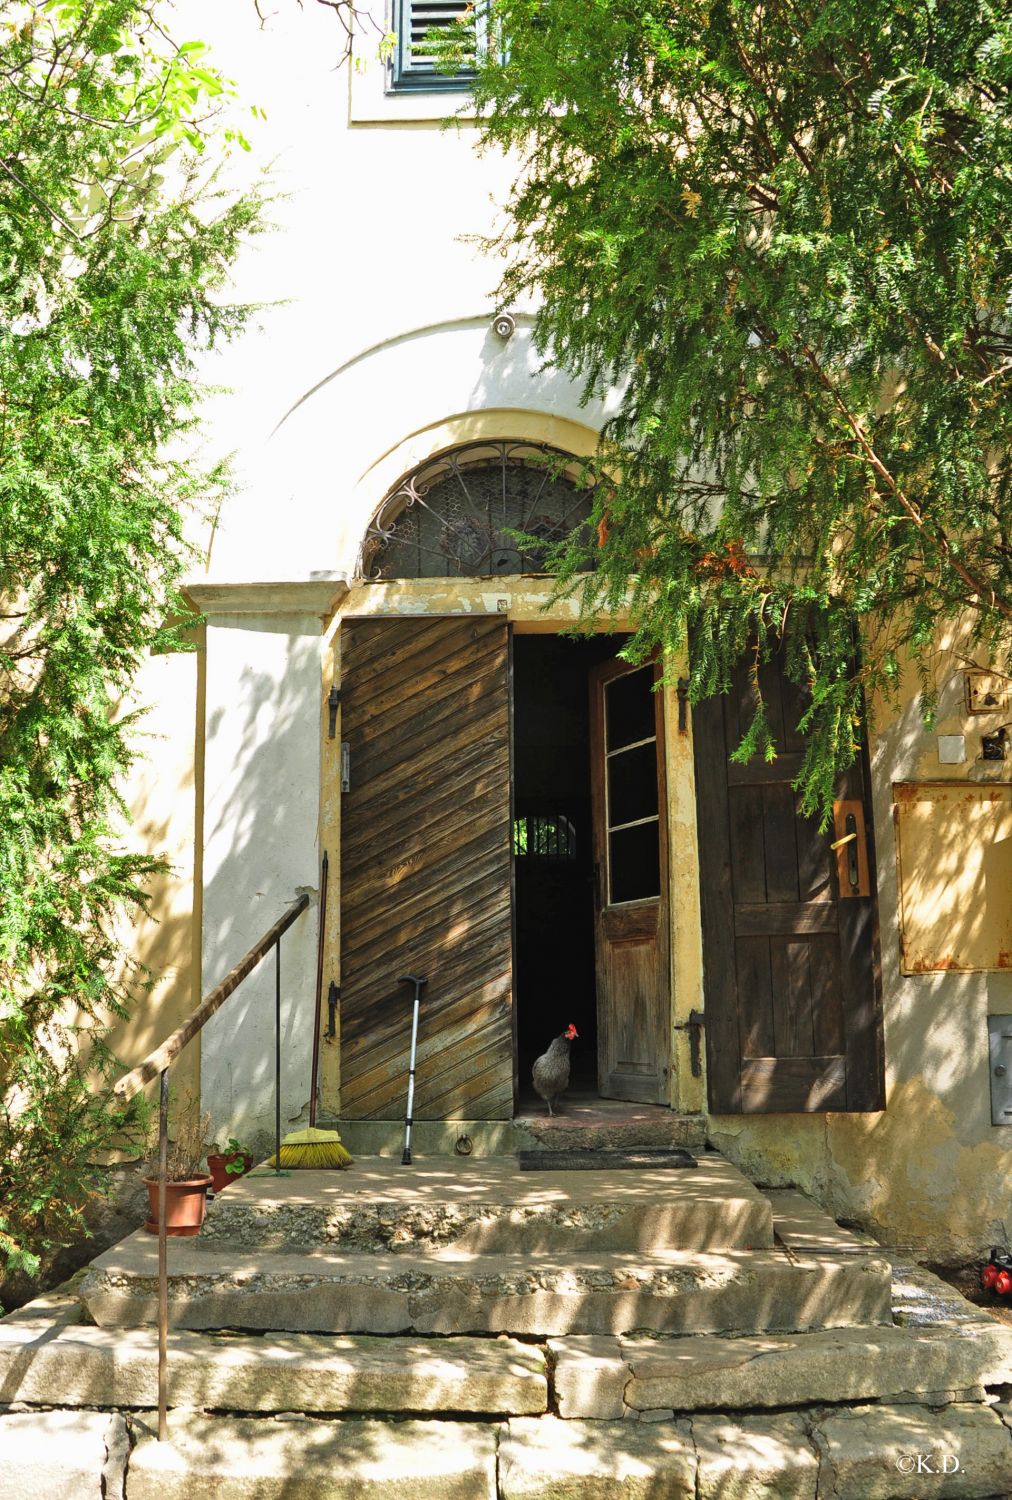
[277,1057]
[157,1064]
[163,1256]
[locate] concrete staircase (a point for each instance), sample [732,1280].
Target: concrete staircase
[462,1329]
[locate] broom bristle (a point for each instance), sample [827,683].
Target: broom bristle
[312,1150]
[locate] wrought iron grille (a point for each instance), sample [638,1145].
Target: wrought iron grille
[544,836]
[460,515]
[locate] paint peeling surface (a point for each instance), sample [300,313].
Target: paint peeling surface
[954,855]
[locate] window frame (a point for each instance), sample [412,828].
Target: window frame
[401,79]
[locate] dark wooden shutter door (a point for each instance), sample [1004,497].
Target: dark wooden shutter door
[790,974]
[425,867]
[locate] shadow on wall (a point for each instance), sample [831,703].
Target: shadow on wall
[511,373]
[162,796]
[261,816]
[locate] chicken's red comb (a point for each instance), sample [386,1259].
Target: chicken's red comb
[571,1031]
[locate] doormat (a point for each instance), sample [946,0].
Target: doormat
[604,1161]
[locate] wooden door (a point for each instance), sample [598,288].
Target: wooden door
[789,924]
[425,867]
[630,855]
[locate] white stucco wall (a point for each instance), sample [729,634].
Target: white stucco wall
[373,241]
[261,812]
[312,497]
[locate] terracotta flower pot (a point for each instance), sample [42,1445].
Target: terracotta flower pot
[184,1204]
[220,1175]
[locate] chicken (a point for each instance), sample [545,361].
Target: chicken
[551,1070]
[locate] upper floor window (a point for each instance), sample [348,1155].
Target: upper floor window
[413,63]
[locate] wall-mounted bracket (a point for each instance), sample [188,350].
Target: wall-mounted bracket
[682,689]
[999,1046]
[694,1026]
[333,704]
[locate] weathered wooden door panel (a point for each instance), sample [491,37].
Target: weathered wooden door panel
[630,853]
[791,983]
[425,867]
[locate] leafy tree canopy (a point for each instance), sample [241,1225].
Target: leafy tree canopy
[113,248]
[785,229]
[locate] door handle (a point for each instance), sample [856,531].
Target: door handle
[851,849]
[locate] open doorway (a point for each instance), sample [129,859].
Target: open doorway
[553,850]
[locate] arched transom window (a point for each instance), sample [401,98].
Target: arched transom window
[462,513]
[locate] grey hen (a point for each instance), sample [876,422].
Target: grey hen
[551,1070]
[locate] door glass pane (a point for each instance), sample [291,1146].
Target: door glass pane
[632,784]
[635,865]
[629,707]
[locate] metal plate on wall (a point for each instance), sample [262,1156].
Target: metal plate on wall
[999,1039]
[954,859]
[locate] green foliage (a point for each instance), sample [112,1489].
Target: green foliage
[113,249]
[785,231]
[236,1155]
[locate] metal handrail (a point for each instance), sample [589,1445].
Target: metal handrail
[157,1064]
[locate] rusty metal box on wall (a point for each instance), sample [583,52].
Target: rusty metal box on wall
[954,869]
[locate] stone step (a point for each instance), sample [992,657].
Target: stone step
[907,1452]
[42,1361]
[78,1454]
[211,1458]
[609,1377]
[586,1123]
[452,1292]
[490,1207]
[84,1455]
[850,1453]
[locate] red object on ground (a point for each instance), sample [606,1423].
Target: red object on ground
[1003,1283]
[989,1276]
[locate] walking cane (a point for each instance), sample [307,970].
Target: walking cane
[408,1118]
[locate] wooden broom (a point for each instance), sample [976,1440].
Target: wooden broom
[312,1149]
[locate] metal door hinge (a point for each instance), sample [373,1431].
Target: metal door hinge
[333,996]
[345,766]
[333,704]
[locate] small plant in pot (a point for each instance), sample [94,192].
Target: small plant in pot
[186,1185]
[225,1166]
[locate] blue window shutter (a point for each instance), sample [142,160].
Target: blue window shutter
[413,66]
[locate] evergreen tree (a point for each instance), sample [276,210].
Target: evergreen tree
[113,247]
[785,230]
